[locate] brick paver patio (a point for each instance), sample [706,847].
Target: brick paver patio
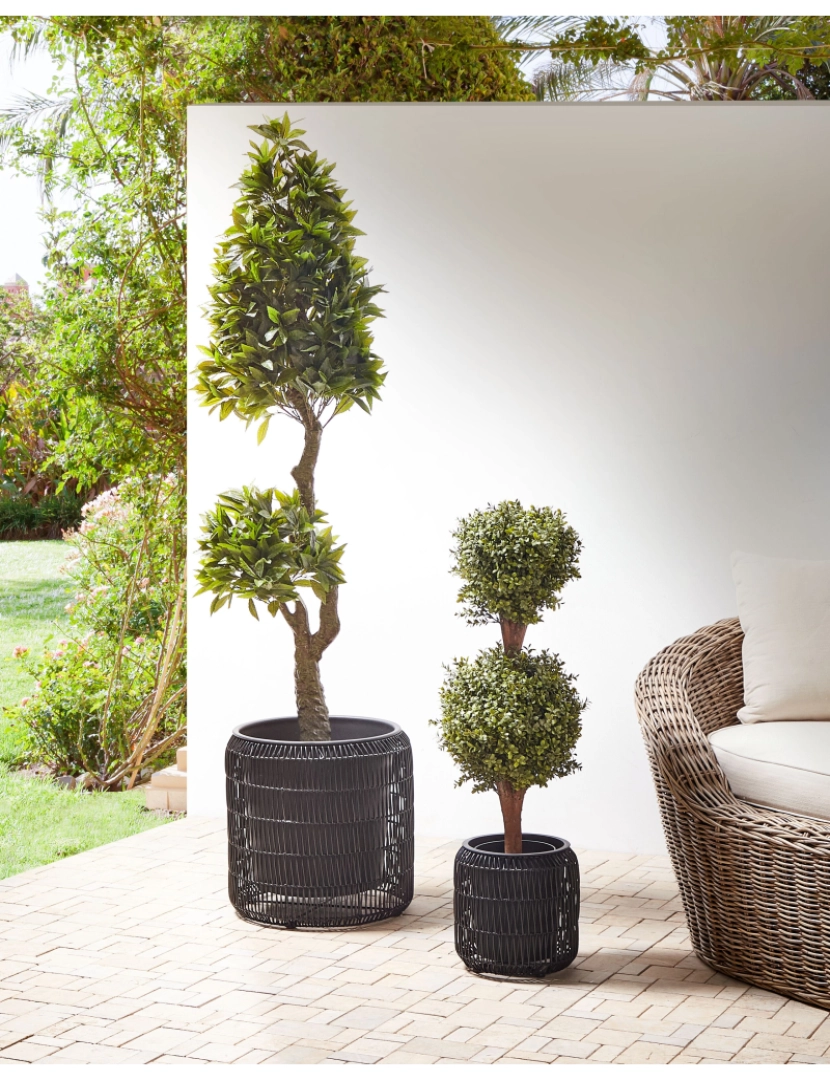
[131,953]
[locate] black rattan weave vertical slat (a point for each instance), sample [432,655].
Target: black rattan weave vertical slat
[516,915]
[320,833]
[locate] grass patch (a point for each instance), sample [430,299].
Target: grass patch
[41,822]
[33,595]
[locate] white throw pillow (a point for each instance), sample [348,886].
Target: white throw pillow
[784,608]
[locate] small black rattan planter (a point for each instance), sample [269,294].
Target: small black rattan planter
[516,915]
[319,833]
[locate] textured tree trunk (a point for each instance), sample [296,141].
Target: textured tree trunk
[512,636]
[303,471]
[511,810]
[312,712]
[311,703]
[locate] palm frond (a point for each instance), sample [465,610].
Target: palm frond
[532,32]
[574,81]
[522,27]
[26,40]
[27,110]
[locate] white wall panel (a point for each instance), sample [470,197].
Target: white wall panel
[619,311]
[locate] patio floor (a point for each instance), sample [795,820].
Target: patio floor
[131,953]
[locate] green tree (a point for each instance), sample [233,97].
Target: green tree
[290,317]
[38,419]
[359,58]
[705,57]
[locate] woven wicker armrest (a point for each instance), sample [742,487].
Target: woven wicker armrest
[690,689]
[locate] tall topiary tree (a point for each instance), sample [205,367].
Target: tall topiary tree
[510,718]
[290,313]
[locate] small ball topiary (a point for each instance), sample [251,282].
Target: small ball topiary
[510,719]
[514,719]
[514,563]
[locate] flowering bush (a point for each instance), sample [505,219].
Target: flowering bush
[111,697]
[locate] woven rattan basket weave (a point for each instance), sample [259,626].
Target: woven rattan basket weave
[755,883]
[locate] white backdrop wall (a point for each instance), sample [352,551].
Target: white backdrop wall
[622,312]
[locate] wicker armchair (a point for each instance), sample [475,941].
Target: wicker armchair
[755,883]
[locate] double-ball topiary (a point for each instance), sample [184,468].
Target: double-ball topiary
[510,718]
[290,313]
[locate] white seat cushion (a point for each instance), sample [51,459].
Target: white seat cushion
[784,764]
[784,608]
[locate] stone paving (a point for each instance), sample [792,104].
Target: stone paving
[131,953]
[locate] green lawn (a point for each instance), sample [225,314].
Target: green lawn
[39,821]
[33,594]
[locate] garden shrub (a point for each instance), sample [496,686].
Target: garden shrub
[22,519]
[110,698]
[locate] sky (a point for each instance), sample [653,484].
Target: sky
[21,249]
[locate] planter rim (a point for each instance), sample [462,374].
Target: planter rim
[556,844]
[390,728]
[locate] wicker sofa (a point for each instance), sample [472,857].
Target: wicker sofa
[755,883]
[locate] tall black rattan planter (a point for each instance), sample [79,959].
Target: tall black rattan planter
[319,833]
[516,914]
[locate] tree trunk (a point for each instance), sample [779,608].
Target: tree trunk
[303,471]
[511,810]
[312,712]
[311,703]
[512,636]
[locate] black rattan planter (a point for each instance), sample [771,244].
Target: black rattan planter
[516,915]
[319,833]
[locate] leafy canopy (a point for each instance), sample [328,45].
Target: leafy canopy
[514,562]
[358,58]
[514,719]
[291,300]
[264,546]
[705,57]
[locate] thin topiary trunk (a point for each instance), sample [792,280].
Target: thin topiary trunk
[512,636]
[511,810]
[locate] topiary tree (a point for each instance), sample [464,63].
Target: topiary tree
[510,719]
[290,314]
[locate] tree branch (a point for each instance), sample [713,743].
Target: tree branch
[297,618]
[303,471]
[329,625]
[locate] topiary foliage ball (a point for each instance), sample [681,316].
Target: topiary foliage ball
[514,562]
[263,546]
[514,719]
